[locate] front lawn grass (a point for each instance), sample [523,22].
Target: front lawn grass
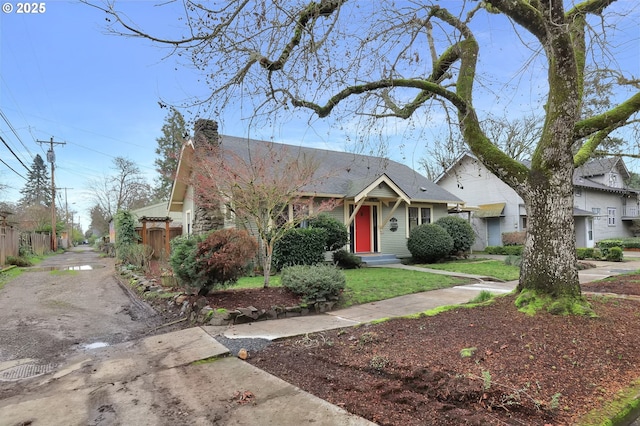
[487,268]
[372,284]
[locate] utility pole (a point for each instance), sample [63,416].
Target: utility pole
[66,218]
[51,157]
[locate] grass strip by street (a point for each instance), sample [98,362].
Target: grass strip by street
[488,268]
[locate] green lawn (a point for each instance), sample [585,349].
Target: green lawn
[371,284]
[488,268]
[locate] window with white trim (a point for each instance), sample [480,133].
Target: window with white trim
[418,216]
[596,212]
[611,216]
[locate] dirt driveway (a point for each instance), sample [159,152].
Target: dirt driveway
[48,375]
[63,306]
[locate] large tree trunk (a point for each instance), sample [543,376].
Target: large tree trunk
[549,258]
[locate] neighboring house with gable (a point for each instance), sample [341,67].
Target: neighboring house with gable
[604,207]
[382,200]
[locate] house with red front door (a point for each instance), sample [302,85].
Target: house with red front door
[381,200]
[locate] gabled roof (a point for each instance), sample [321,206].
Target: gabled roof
[349,174]
[179,187]
[595,167]
[603,165]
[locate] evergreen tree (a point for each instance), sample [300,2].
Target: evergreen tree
[174,133]
[37,189]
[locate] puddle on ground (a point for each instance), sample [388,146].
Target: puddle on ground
[95,345]
[63,268]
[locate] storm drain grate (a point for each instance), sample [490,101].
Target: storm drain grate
[25,371]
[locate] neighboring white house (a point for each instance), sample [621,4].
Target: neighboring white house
[603,206]
[382,200]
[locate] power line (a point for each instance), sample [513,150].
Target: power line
[14,154]
[6,120]
[11,168]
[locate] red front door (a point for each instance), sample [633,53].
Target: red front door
[363,230]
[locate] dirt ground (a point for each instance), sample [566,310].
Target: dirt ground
[51,313]
[490,365]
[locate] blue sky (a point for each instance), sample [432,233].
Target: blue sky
[63,76]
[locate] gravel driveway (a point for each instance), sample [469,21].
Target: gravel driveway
[63,304]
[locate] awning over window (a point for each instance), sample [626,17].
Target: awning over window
[490,210]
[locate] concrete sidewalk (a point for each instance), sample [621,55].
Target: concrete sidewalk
[402,305]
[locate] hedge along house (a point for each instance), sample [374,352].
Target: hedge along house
[380,200]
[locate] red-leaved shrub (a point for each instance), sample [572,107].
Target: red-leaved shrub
[514,238]
[222,257]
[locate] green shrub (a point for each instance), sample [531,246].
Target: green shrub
[20,261]
[25,251]
[460,230]
[584,253]
[126,236]
[346,260]
[337,235]
[614,254]
[597,254]
[513,250]
[183,259]
[314,282]
[611,242]
[300,246]
[632,242]
[429,243]
[137,255]
[504,250]
[221,258]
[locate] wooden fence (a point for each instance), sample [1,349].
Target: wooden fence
[12,239]
[38,243]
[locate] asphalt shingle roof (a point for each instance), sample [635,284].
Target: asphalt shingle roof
[349,173]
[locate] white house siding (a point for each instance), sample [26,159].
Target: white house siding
[473,183]
[187,212]
[588,199]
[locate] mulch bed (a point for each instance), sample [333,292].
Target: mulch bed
[520,370]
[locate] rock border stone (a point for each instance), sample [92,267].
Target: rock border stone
[198,311]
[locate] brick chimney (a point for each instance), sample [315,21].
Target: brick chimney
[205,132]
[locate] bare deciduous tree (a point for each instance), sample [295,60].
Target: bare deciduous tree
[264,189]
[344,58]
[126,189]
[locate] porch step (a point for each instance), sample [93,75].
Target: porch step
[378,259]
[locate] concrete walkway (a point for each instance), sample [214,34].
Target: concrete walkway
[402,305]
